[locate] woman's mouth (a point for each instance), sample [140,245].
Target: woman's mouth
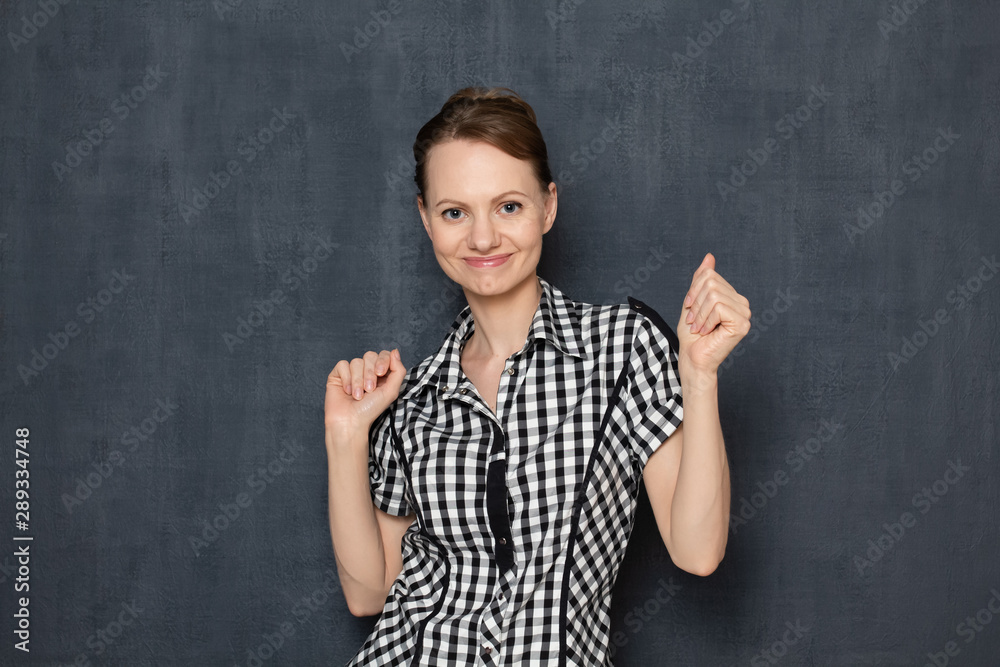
[486,262]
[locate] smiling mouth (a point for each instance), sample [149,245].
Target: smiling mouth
[486,262]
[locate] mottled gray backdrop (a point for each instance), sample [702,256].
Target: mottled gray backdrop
[205,205]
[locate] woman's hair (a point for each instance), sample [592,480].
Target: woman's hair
[497,116]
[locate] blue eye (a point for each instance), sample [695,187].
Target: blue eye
[450,210]
[506,206]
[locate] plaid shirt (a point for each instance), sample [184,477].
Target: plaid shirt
[523,516]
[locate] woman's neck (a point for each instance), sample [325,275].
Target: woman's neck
[502,321]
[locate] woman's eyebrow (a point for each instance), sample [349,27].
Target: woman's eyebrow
[494,200]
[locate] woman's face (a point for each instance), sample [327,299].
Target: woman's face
[481,203]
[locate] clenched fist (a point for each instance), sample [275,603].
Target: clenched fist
[359,390]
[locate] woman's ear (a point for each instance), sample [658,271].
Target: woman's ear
[551,204]
[423,215]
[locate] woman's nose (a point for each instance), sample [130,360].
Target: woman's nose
[482,232]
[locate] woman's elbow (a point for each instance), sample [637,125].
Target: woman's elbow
[701,568]
[703,564]
[362,605]
[361,610]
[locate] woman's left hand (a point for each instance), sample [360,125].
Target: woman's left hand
[719,315]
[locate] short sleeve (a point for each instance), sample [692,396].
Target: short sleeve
[653,401]
[388,483]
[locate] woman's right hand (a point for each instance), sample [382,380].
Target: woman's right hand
[359,390]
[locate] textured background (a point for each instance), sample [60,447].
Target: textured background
[236,294]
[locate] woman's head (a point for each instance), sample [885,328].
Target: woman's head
[485,189]
[497,116]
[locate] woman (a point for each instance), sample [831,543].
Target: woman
[482,501]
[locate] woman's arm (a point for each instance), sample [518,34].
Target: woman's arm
[358,546]
[687,477]
[687,481]
[367,542]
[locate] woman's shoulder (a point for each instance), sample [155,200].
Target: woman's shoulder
[643,311]
[417,376]
[622,319]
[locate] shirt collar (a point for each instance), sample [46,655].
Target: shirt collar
[556,320]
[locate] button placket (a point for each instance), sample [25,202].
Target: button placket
[487,656]
[501,585]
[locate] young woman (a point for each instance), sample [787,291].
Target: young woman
[482,500]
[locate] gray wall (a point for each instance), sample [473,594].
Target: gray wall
[203,310]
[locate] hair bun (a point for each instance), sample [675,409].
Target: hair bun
[503,94]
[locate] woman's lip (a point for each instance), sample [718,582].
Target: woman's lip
[483,262]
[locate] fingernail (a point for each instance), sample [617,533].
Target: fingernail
[689,317]
[693,330]
[369,385]
[357,393]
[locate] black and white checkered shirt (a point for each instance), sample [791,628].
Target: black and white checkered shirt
[523,516]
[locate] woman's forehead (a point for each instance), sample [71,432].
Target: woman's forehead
[462,168]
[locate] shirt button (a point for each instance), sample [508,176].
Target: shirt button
[503,540]
[487,648]
[510,371]
[500,595]
[462,390]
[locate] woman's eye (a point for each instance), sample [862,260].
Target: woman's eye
[510,207]
[448,216]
